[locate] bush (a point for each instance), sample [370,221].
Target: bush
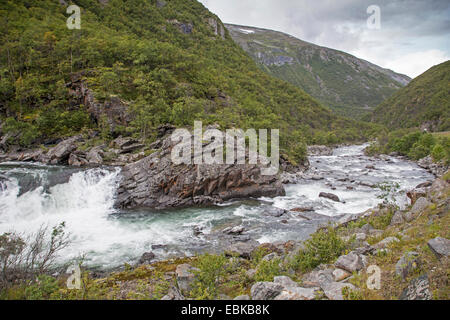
[212,271]
[438,153]
[25,259]
[324,246]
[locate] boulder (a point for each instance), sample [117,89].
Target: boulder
[385,242]
[146,258]
[438,188]
[440,247]
[333,290]
[340,274]
[302,209]
[350,262]
[415,194]
[418,289]
[95,155]
[329,196]
[242,249]
[397,218]
[185,277]
[234,230]
[265,290]
[419,206]
[274,212]
[407,263]
[156,182]
[61,152]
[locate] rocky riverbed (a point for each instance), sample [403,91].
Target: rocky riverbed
[336,187]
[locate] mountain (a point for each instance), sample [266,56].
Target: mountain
[348,85]
[136,65]
[424,102]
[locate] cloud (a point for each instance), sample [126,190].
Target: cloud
[410,29]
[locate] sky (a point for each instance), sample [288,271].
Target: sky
[411,36]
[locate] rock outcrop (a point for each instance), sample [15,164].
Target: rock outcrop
[156,182]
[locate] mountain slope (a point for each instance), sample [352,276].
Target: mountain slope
[137,64]
[350,86]
[424,102]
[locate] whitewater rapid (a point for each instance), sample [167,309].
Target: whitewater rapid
[109,238]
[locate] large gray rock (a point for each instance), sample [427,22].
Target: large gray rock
[440,247]
[333,290]
[156,182]
[418,289]
[420,206]
[298,293]
[385,242]
[351,262]
[397,218]
[407,263]
[266,290]
[61,152]
[242,249]
[95,155]
[185,277]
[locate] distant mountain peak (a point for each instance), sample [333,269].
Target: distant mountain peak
[348,85]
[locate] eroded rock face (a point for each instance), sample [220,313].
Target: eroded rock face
[440,247]
[418,289]
[156,182]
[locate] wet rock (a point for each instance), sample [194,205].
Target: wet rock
[185,277]
[407,263]
[329,196]
[156,182]
[197,231]
[418,289]
[234,230]
[351,262]
[370,167]
[265,290]
[146,258]
[440,247]
[76,160]
[275,212]
[424,185]
[303,209]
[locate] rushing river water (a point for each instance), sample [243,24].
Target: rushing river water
[32,195]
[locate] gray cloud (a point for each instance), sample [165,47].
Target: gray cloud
[409,28]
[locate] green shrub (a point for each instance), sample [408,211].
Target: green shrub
[211,272]
[267,270]
[324,246]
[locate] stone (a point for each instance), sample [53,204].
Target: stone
[275,212]
[329,196]
[438,188]
[285,281]
[424,185]
[243,297]
[146,258]
[265,290]
[156,182]
[350,262]
[234,230]
[298,293]
[419,206]
[407,263]
[250,273]
[185,277]
[61,152]
[385,242]
[317,278]
[173,294]
[440,247]
[340,274]
[418,289]
[270,257]
[397,218]
[333,290]
[302,209]
[95,155]
[318,150]
[242,249]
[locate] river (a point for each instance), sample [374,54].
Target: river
[30,198]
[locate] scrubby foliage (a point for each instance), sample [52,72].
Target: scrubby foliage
[136,50]
[414,144]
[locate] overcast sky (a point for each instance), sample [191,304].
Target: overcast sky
[414,35]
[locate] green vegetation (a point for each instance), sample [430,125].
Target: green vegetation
[424,102]
[349,86]
[140,53]
[412,143]
[324,246]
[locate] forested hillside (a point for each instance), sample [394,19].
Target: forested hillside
[424,103]
[137,64]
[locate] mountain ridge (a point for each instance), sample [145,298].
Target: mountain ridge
[294,60]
